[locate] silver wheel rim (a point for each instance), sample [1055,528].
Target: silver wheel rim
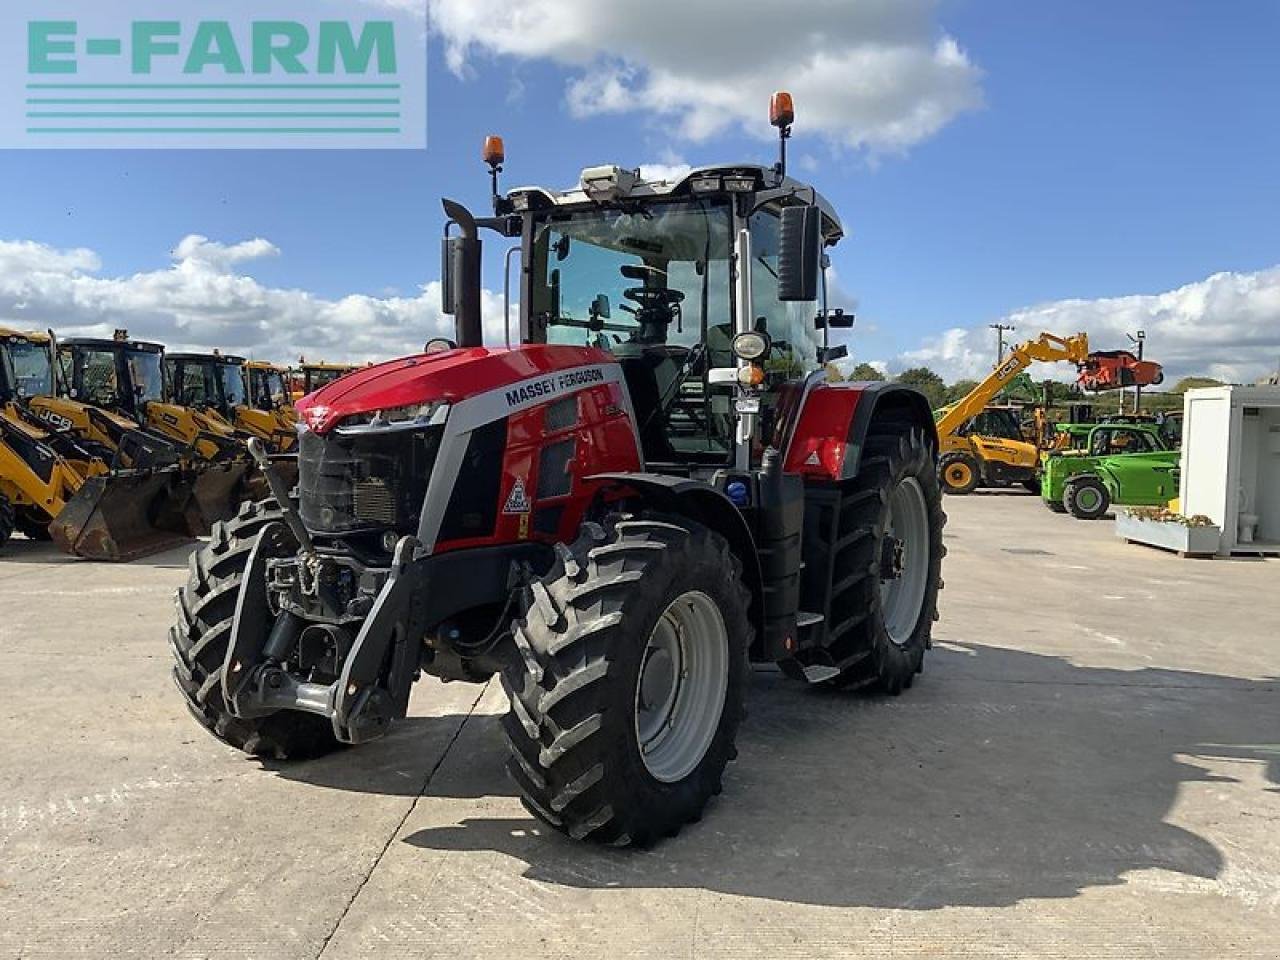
[902,596]
[680,692]
[1087,499]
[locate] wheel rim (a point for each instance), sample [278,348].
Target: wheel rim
[680,692]
[904,569]
[1087,499]
[958,475]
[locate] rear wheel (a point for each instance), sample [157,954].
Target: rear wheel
[629,687]
[887,581]
[958,473]
[1086,498]
[1031,484]
[198,641]
[6,520]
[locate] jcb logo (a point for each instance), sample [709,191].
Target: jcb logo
[55,420]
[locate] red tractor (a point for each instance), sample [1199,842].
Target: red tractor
[656,487]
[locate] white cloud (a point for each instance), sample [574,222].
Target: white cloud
[1226,326]
[866,74]
[199,302]
[221,256]
[670,172]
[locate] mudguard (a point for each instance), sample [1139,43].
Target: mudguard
[827,432]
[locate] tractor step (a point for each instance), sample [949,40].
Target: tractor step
[819,672]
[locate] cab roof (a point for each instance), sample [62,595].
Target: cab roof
[631,186]
[107,343]
[34,336]
[206,358]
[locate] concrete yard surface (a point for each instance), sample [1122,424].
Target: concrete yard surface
[1089,766]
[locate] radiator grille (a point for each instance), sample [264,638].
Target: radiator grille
[364,482]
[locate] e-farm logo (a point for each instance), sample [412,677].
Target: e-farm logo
[216,75]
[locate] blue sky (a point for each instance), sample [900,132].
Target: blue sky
[1120,149]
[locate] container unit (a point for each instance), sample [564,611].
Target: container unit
[1231,465]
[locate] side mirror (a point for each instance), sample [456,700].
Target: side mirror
[800,250]
[834,320]
[828,354]
[600,307]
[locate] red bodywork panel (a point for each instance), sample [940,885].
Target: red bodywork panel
[820,438]
[451,376]
[556,435]
[1113,369]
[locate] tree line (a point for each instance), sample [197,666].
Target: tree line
[940,393]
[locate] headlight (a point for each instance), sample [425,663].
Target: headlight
[751,346]
[409,417]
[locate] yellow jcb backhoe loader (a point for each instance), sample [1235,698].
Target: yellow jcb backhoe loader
[213,381]
[128,377]
[53,486]
[310,377]
[982,444]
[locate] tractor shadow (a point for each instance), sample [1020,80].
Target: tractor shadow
[1002,776]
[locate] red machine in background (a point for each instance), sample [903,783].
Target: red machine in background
[1114,369]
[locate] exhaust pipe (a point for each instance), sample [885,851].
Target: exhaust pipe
[460,275]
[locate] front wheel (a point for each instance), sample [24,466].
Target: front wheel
[1086,498]
[958,474]
[628,686]
[198,641]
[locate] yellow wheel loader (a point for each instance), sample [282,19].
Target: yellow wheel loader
[53,486]
[980,443]
[127,377]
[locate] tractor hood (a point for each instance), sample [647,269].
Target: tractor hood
[450,376]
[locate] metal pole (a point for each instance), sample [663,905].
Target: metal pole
[1141,341]
[1000,328]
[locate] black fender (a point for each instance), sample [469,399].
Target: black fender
[704,503]
[884,403]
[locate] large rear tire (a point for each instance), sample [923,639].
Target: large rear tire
[887,581]
[628,691]
[198,641]
[959,474]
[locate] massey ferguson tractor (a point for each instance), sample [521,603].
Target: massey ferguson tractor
[656,486]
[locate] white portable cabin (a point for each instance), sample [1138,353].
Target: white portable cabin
[1231,465]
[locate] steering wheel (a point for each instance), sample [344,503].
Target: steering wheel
[653,298]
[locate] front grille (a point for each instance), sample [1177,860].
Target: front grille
[375,502]
[363,482]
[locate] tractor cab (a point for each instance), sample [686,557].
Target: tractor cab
[129,377]
[209,381]
[119,374]
[648,272]
[268,387]
[26,368]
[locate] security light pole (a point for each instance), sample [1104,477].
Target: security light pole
[1140,340]
[1000,333]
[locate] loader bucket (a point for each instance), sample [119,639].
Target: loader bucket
[118,517]
[218,492]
